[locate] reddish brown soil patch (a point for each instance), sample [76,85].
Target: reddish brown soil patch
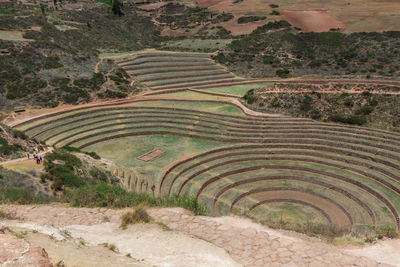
[208,3]
[151,155]
[153,5]
[312,21]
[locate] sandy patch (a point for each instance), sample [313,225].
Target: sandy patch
[312,21]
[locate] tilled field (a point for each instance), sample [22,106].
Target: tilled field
[337,175]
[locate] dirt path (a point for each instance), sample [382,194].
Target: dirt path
[195,241]
[13,161]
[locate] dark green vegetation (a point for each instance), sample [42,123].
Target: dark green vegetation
[276,46]
[59,65]
[65,170]
[368,109]
[247,19]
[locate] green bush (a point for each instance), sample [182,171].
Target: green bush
[247,19]
[282,73]
[306,104]
[220,58]
[64,177]
[373,102]
[66,157]
[364,110]
[3,141]
[349,119]
[19,134]
[386,231]
[250,97]
[52,62]
[73,94]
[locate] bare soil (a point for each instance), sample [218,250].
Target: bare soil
[151,155]
[312,21]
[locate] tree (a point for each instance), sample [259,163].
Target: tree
[43,8]
[117,7]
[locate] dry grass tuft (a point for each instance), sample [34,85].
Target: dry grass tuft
[111,247]
[138,215]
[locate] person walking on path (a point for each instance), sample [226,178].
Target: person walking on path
[40,159]
[28,155]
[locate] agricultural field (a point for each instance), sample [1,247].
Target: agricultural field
[275,169]
[314,15]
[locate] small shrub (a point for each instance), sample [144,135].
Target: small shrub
[364,110]
[386,231]
[369,239]
[250,97]
[348,102]
[19,134]
[3,141]
[282,73]
[366,94]
[275,13]
[111,247]
[306,104]
[52,62]
[373,102]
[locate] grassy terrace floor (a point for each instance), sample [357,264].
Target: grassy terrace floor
[265,167]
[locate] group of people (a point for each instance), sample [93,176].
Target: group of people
[37,158]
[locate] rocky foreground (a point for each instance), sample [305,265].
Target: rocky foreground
[42,235]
